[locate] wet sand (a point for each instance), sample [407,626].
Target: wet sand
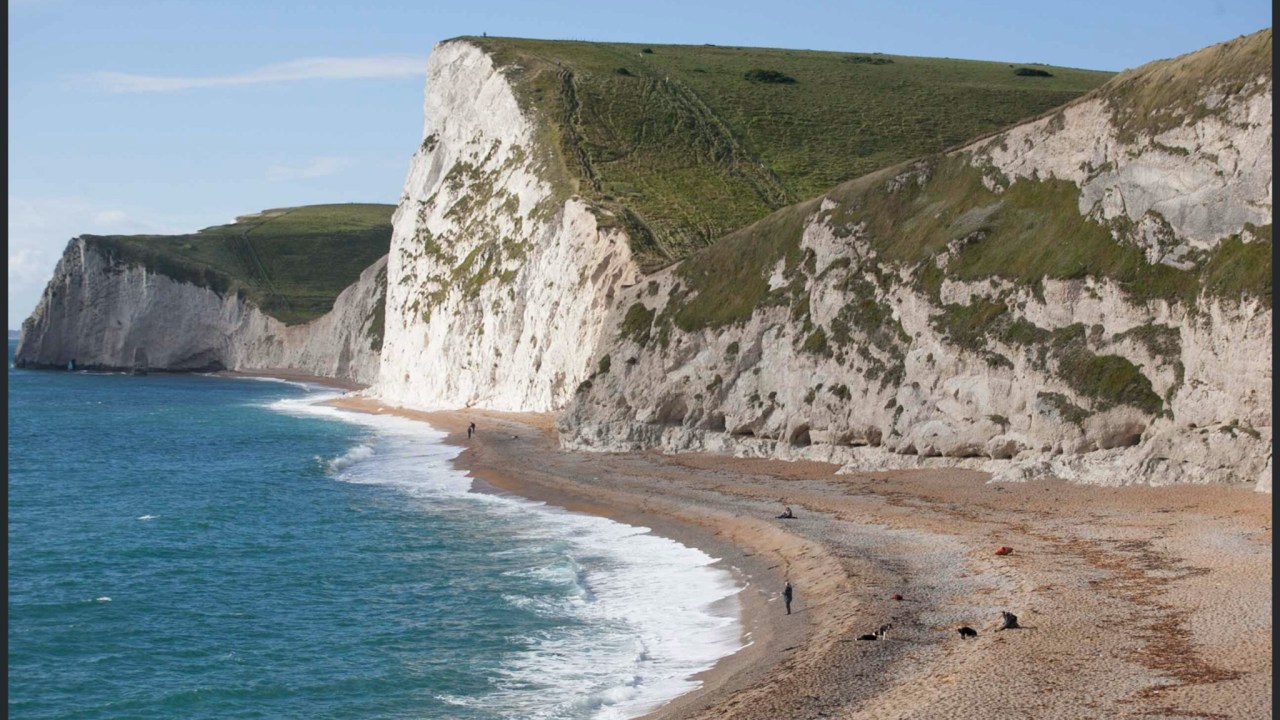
[294,376]
[1134,602]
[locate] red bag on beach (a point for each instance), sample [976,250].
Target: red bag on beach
[1004,550]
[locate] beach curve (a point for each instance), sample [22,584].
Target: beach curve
[1115,586]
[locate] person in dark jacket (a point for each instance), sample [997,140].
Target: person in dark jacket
[786,595]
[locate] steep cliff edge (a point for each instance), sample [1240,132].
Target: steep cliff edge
[498,283]
[196,302]
[1086,295]
[552,173]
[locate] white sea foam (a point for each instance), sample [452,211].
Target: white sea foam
[309,386]
[354,455]
[148,517]
[459,701]
[650,612]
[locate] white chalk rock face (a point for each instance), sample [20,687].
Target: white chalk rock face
[916,400]
[499,284]
[504,290]
[1186,188]
[103,313]
[868,369]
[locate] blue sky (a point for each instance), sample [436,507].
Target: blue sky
[130,117]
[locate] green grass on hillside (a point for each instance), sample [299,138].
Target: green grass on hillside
[291,262]
[913,212]
[1032,231]
[684,148]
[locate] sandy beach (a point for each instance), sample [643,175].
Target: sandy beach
[1134,601]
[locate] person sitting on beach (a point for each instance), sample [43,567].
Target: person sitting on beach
[1008,621]
[787,514]
[786,596]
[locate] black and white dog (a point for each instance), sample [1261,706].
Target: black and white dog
[878,634]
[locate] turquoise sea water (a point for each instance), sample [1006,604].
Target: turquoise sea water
[200,547]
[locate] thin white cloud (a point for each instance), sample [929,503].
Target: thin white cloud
[22,262]
[108,218]
[317,168]
[357,68]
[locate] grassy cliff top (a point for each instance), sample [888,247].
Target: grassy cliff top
[1031,231]
[1167,93]
[685,144]
[291,262]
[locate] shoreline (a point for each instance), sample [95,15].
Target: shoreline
[1135,600]
[762,643]
[292,376]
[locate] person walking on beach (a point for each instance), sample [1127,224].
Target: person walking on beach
[786,596]
[471,430]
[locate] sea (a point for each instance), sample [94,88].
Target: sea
[186,546]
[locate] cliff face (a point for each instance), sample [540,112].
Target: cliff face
[1085,295]
[1071,297]
[499,281]
[108,313]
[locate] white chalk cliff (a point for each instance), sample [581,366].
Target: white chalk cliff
[498,285]
[506,290]
[107,313]
[862,366]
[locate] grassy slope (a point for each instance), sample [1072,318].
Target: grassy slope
[1031,231]
[683,149]
[291,262]
[1164,94]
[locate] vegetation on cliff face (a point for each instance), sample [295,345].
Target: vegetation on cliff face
[481,207]
[730,279]
[1238,268]
[1161,95]
[939,212]
[1106,380]
[951,217]
[938,217]
[683,148]
[377,318]
[290,262]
